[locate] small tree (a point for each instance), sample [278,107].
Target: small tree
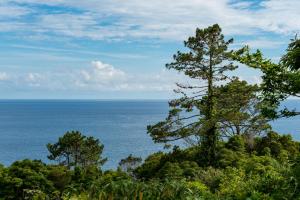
[77,150]
[130,163]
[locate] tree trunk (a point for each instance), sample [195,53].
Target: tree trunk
[210,137]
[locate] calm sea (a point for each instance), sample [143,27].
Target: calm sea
[26,126]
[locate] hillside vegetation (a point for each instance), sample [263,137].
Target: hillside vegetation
[232,151]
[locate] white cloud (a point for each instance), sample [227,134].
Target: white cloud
[164,19]
[105,77]
[34,79]
[12,11]
[100,76]
[4,76]
[252,79]
[280,16]
[97,77]
[264,43]
[58,50]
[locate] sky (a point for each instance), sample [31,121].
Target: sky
[117,49]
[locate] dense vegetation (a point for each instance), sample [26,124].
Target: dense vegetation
[233,152]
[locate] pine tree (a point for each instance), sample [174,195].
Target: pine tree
[193,116]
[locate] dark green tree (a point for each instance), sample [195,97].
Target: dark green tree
[77,150]
[24,177]
[60,176]
[192,116]
[130,163]
[291,59]
[280,80]
[239,110]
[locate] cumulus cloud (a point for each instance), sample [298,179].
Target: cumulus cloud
[104,77]
[101,76]
[96,77]
[34,79]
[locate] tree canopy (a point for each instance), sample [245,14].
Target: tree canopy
[76,150]
[201,111]
[239,109]
[279,80]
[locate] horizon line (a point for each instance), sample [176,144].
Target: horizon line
[79,99]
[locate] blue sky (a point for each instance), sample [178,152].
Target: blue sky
[113,49]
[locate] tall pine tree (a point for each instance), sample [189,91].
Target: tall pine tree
[193,114]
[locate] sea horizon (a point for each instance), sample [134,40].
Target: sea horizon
[27,125]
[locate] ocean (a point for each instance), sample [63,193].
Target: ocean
[26,126]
